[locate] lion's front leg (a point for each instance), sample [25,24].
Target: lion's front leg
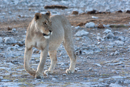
[43,56]
[27,57]
[53,62]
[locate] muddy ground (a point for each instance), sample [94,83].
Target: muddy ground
[102,60]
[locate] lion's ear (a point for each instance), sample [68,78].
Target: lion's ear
[48,13]
[37,16]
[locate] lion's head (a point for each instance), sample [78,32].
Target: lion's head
[43,24]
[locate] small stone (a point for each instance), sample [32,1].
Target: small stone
[116,53]
[121,38]
[78,27]
[85,78]
[1,40]
[114,85]
[128,11]
[97,64]
[81,24]
[75,12]
[101,26]
[2,55]
[112,54]
[9,40]
[119,43]
[67,78]
[76,69]
[94,17]
[1,77]
[120,11]
[118,32]
[90,25]
[109,36]
[90,69]
[5,80]
[9,28]
[127,81]
[91,11]
[13,30]
[64,74]
[106,26]
[107,31]
[15,62]
[81,33]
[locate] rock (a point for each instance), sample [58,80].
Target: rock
[9,28]
[112,54]
[76,69]
[99,38]
[54,79]
[129,49]
[106,26]
[2,55]
[81,33]
[75,12]
[85,78]
[1,40]
[21,43]
[120,11]
[128,11]
[127,82]
[81,24]
[94,17]
[90,25]
[15,62]
[121,38]
[119,43]
[117,53]
[9,40]
[78,27]
[6,80]
[109,36]
[87,52]
[118,32]
[97,64]
[90,69]
[36,51]
[64,74]
[107,31]
[96,49]
[92,12]
[114,85]
[101,26]
[117,77]
[1,77]
[13,30]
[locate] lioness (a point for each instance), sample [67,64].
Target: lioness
[46,33]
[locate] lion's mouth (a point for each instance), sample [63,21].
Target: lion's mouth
[47,36]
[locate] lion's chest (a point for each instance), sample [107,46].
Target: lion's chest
[40,44]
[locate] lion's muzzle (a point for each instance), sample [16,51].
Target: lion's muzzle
[47,36]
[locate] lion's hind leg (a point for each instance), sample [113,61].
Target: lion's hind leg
[70,52]
[68,44]
[53,62]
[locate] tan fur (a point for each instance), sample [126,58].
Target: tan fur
[61,32]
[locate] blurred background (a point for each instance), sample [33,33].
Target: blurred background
[13,9]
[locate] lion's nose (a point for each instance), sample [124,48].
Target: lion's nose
[50,31]
[45,34]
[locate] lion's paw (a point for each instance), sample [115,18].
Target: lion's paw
[68,71]
[47,72]
[39,76]
[32,72]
